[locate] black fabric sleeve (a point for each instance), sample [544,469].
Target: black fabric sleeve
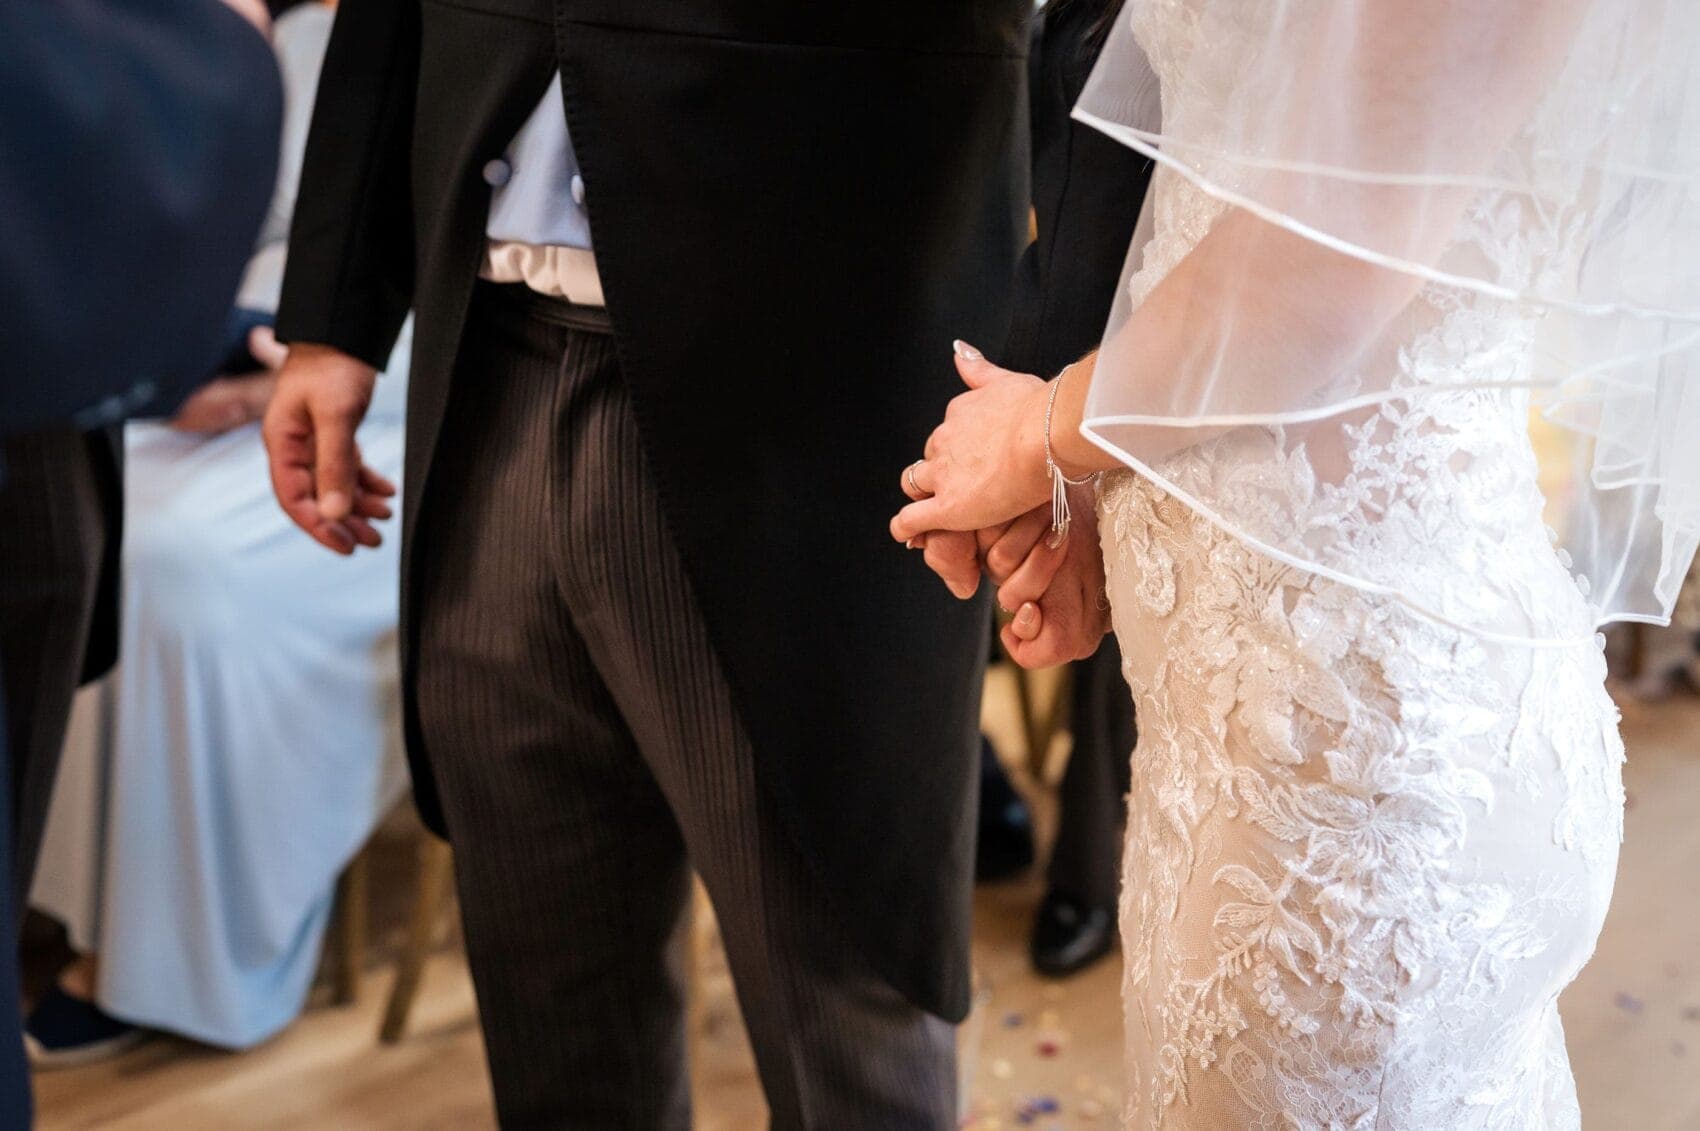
[349,282]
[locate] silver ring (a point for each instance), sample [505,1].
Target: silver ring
[909,475]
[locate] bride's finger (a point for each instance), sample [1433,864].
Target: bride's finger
[1032,654]
[1027,623]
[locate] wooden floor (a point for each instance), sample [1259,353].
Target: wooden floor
[1633,1018]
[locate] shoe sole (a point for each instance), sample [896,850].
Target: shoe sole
[45,1059]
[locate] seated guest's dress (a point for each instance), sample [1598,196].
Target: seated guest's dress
[216,783]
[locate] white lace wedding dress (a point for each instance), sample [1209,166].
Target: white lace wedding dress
[1365,852]
[1366,849]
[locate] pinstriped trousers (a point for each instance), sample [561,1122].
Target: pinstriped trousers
[583,739]
[53,537]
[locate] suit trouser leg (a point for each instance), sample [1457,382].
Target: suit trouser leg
[583,737]
[1086,859]
[52,541]
[15,1100]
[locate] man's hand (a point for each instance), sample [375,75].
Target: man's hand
[1057,594]
[230,402]
[317,473]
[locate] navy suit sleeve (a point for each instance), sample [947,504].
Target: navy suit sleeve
[138,151]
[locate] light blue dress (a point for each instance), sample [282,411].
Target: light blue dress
[217,782]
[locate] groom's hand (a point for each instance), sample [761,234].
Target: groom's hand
[316,470]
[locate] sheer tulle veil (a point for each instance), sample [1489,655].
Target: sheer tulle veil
[1503,198]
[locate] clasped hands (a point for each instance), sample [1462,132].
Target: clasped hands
[981,507]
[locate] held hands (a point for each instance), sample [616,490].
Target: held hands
[980,504]
[1058,594]
[1055,593]
[316,469]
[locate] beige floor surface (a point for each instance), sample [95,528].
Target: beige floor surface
[1633,1017]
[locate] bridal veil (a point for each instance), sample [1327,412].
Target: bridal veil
[1383,214]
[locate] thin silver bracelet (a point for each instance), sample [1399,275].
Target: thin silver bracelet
[1060,483]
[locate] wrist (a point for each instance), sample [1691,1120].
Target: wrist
[1030,457]
[1073,454]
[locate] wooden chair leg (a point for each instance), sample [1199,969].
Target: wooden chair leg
[696,959]
[1029,713]
[349,937]
[435,870]
[1056,721]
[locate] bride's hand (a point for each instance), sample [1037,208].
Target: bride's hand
[985,465]
[1058,596]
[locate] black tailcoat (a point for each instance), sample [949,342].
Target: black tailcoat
[796,206]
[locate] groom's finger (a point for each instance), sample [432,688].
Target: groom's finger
[1008,551]
[1032,579]
[953,555]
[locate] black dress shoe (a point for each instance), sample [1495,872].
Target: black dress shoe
[1069,936]
[1005,847]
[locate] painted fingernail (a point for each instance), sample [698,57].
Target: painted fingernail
[965,351]
[1025,617]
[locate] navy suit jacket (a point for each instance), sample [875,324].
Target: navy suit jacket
[138,151]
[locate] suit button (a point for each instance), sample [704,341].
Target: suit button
[497,172]
[578,189]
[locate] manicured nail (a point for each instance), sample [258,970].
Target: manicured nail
[1025,617]
[965,351]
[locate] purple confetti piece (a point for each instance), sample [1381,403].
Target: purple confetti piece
[1692,1013]
[1629,1003]
[1012,1020]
